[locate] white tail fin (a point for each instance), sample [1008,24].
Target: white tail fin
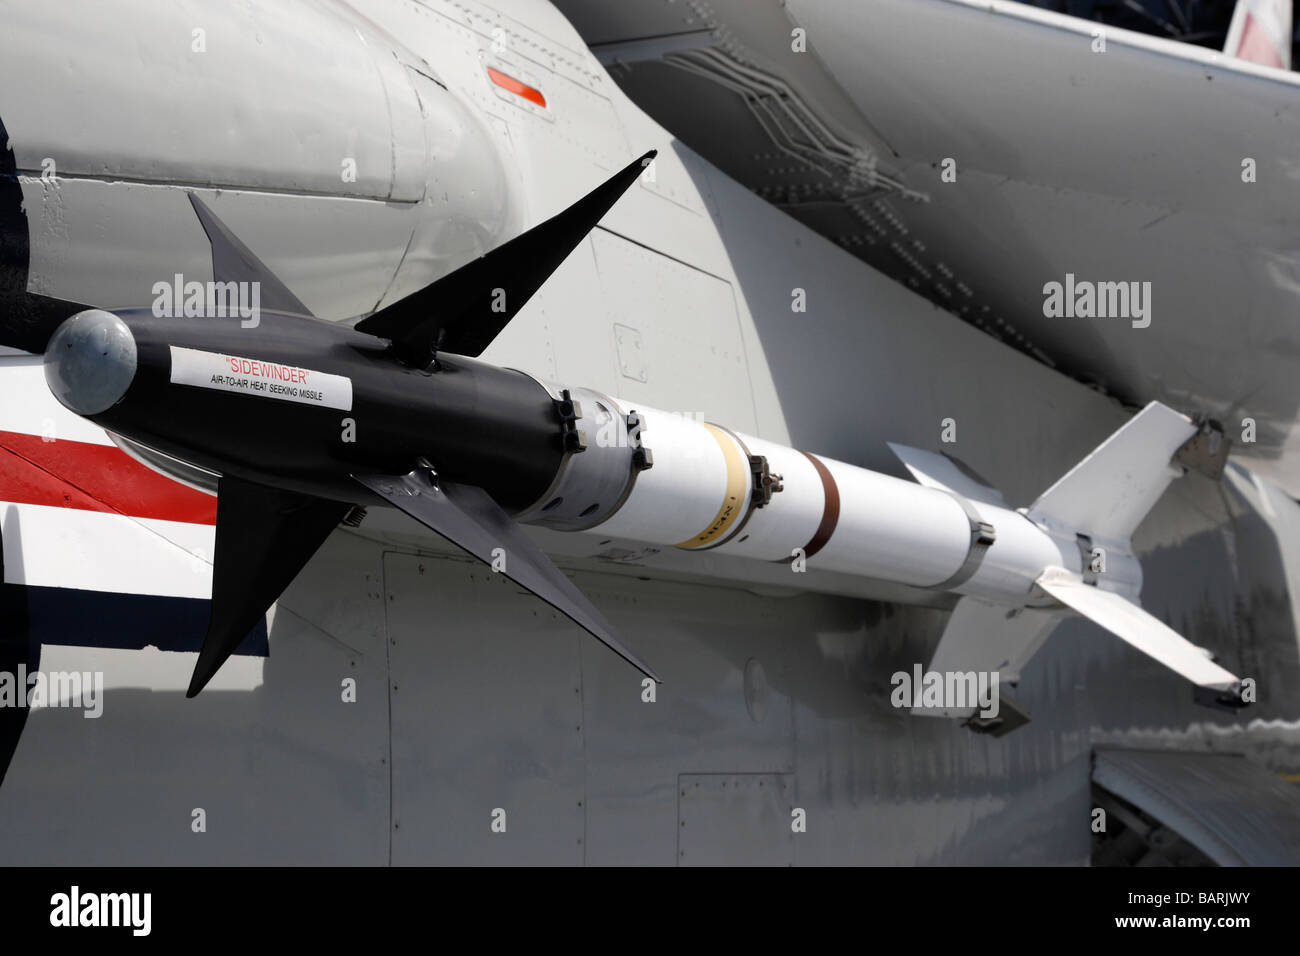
[1103,497]
[1108,493]
[983,637]
[1261,32]
[1148,634]
[947,474]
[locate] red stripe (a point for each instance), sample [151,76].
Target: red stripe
[1256,45]
[74,474]
[517,88]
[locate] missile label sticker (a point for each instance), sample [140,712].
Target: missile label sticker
[231,373]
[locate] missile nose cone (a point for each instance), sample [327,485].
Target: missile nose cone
[90,361]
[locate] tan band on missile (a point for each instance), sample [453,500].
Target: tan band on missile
[733,502]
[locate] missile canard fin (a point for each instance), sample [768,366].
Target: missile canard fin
[464,311]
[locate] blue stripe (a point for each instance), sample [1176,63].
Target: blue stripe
[77,618]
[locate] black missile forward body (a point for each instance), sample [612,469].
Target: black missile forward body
[301,420]
[303,404]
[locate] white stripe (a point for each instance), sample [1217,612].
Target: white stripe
[167,671]
[28,407]
[100,551]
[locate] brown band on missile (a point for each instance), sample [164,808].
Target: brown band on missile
[830,513]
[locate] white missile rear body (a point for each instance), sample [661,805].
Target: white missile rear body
[699,495]
[698,486]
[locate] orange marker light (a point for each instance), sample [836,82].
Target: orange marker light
[514,86]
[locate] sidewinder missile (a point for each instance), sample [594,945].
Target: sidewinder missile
[302,420]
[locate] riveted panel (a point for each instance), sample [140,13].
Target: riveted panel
[735,819]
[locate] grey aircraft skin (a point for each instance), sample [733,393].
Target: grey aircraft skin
[407,705]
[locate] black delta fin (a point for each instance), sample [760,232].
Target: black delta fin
[468,517]
[232,261]
[464,311]
[264,538]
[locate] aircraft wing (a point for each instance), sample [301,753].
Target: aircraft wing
[981,150]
